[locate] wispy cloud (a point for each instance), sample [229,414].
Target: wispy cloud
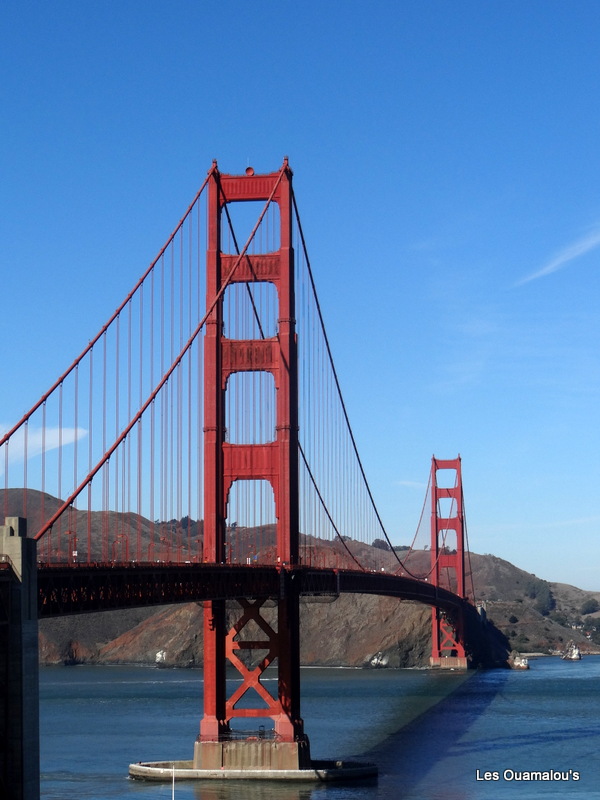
[36,442]
[576,249]
[411,484]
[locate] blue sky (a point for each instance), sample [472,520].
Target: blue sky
[446,165]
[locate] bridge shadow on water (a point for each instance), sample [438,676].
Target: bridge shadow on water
[437,755]
[412,757]
[492,720]
[404,758]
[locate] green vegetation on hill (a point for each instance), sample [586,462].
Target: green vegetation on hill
[535,615]
[540,591]
[590,606]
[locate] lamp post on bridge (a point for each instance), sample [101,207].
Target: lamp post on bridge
[73,554]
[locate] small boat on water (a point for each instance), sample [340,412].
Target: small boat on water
[572,652]
[517,661]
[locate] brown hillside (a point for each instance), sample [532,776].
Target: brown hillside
[535,615]
[348,631]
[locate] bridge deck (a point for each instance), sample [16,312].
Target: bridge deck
[80,588]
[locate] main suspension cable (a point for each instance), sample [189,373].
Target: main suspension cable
[176,363]
[339,390]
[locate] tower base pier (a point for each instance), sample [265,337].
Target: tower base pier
[252,754]
[317,772]
[449,662]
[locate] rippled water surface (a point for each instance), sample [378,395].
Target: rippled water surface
[434,736]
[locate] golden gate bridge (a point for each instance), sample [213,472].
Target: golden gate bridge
[199,449]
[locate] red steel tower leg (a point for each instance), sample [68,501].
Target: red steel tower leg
[275,462]
[447,562]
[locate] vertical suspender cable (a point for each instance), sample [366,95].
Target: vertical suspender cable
[43,484]
[60,461]
[90,453]
[25,460]
[76,427]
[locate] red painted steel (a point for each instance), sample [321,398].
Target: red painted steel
[275,462]
[447,558]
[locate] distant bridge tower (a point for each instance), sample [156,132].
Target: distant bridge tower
[276,641]
[447,560]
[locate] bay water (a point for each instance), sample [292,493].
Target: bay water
[433,735]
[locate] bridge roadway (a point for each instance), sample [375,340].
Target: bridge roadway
[79,588]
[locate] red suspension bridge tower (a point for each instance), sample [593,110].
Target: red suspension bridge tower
[276,641]
[114,491]
[447,560]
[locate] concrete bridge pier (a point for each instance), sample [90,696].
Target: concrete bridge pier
[449,662]
[19,720]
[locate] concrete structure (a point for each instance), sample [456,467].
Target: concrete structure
[318,772]
[252,754]
[20,767]
[449,662]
